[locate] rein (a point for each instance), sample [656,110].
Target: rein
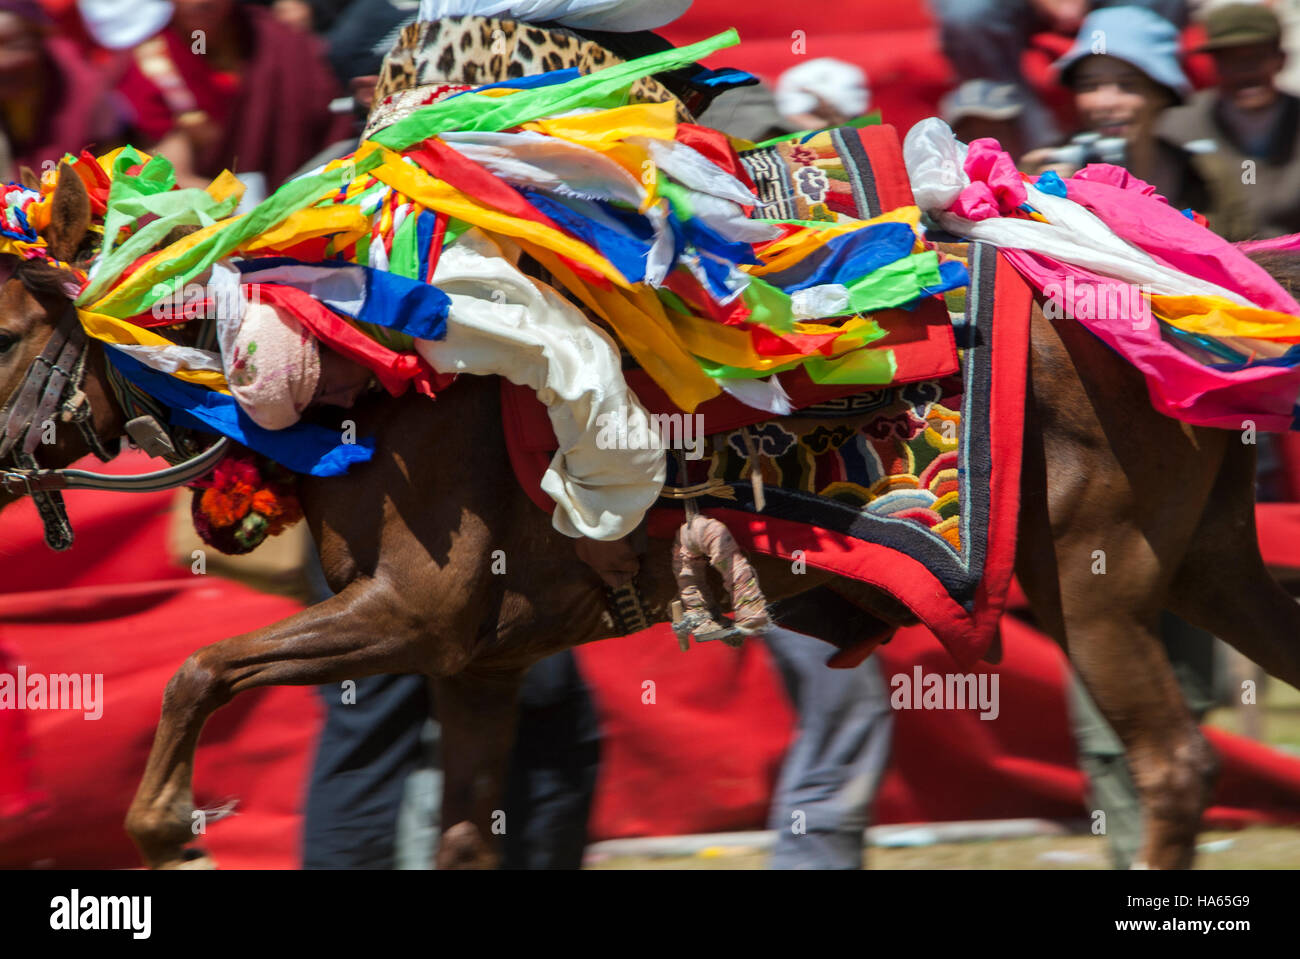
[52,389]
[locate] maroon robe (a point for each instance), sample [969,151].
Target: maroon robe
[272,119]
[76,113]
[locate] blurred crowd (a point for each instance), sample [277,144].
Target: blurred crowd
[1125,94]
[252,87]
[261,88]
[255,87]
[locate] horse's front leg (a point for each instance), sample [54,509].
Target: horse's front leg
[478,714]
[360,632]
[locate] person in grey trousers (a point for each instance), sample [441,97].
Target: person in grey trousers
[829,779]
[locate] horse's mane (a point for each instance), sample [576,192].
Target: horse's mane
[1282,265]
[43,278]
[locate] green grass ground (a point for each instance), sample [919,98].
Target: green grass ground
[1280,717]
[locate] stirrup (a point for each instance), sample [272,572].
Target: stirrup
[701,542]
[705,627]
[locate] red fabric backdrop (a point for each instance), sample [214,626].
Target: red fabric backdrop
[114,605]
[896,43]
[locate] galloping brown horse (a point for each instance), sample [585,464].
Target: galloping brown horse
[406,540]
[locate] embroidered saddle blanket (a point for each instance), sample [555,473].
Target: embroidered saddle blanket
[912,486]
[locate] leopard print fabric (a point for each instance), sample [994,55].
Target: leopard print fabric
[433,59]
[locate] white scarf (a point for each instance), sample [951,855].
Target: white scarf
[618,16]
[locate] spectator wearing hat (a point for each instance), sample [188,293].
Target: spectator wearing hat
[984,40]
[748,113]
[824,92]
[1245,131]
[980,109]
[1125,73]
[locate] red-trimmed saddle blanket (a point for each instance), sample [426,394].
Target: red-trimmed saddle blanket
[911,487]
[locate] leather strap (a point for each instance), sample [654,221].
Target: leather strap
[50,507]
[60,352]
[61,374]
[30,480]
[51,389]
[41,397]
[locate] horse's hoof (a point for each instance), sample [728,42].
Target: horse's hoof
[191,859]
[463,847]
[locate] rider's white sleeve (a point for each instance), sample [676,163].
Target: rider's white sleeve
[506,323]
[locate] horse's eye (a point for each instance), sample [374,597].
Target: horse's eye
[7,341]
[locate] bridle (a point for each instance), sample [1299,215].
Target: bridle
[51,392]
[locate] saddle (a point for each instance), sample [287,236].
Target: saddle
[858,173]
[853,172]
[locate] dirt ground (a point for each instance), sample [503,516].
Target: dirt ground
[1257,848]
[1253,848]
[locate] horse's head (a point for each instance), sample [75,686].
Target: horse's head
[50,376]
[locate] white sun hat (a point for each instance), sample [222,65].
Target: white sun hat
[837,82]
[120,24]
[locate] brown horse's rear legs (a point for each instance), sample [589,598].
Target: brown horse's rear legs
[359,632]
[1113,645]
[1098,547]
[478,714]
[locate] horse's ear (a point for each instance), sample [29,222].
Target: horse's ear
[69,215]
[27,176]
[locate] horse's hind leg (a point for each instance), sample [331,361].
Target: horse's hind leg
[1114,646]
[359,632]
[1223,585]
[1098,546]
[478,714]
